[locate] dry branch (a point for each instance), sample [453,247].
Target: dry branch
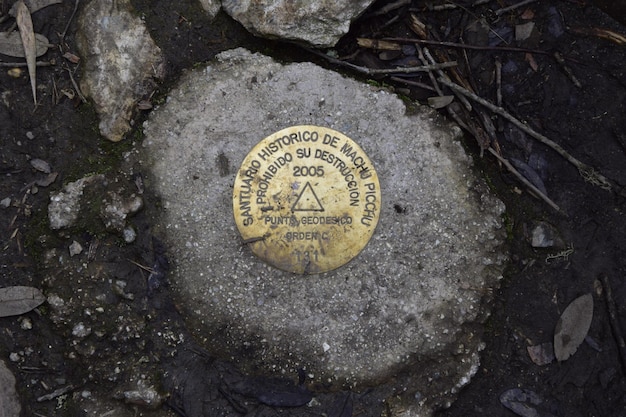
[586,171]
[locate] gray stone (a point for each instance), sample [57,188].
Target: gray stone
[544,236]
[121,62]
[65,205]
[9,400]
[75,248]
[320,23]
[109,195]
[410,300]
[117,208]
[211,7]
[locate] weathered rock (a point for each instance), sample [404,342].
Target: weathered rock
[320,23]
[410,300]
[9,400]
[121,63]
[95,197]
[211,7]
[118,208]
[65,205]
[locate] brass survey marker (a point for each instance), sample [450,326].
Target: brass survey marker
[306,199]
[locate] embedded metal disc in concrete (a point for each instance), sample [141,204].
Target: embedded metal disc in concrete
[405,311]
[306,199]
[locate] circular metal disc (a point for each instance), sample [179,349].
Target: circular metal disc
[306,199]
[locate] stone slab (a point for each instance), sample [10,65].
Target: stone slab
[317,23]
[411,299]
[121,63]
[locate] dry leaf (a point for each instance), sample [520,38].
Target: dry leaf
[74,59]
[378,44]
[542,354]
[19,300]
[14,72]
[144,105]
[11,44]
[528,14]
[40,165]
[522,402]
[44,182]
[531,61]
[439,102]
[25,25]
[572,327]
[615,37]
[418,27]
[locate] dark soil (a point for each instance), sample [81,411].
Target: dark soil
[588,121]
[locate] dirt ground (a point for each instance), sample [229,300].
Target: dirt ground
[579,103]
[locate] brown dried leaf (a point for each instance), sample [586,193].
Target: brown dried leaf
[378,44]
[542,354]
[19,300]
[573,326]
[418,27]
[44,182]
[11,44]
[610,35]
[25,25]
[144,105]
[74,59]
[527,14]
[531,61]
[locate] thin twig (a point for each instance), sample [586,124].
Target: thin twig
[587,172]
[567,70]
[389,7]
[67,26]
[498,65]
[503,10]
[409,70]
[449,6]
[476,47]
[462,99]
[23,64]
[523,179]
[375,71]
[56,393]
[76,87]
[413,83]
[433,80]
[614,320]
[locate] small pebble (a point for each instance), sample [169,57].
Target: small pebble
[40,165]
[129,234]
[80,330]
[5,202]
[30,135]
[75,248]
[26,324]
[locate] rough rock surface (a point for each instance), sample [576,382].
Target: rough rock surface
[110,200]
[9,400]
[410,300]
[121,63]
[211,7]
[319,23]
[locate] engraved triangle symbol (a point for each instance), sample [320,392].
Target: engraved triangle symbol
[307,200]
